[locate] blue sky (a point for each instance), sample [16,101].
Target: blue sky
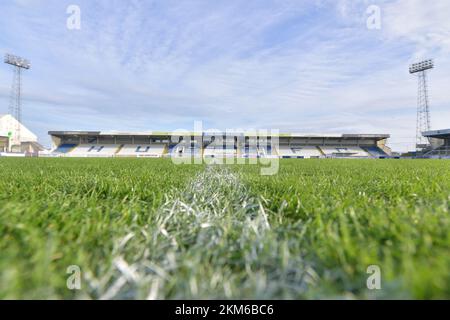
[305,66]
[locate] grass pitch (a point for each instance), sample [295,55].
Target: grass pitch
[145,228]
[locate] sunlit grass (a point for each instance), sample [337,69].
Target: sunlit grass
[348,214]
[145,228]
[60,212]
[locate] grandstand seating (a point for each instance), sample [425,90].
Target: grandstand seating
[375,152]
[220,152]
[266,151]
[89,150]
[137,150]
[262,152]
[172,148]
[65,148]
[187,150]
[177,150]
[344,152]
[441,152]
[307,151]
[193,152]
[111,150]
[184,151]
[253,152]
[240,144]
[250,152]
[287,151]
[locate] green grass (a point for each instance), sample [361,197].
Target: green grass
[60,212]
[145,228]
[348,214]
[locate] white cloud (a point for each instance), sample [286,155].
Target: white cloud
[294,65]
[426,23]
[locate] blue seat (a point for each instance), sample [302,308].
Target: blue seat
[376,152]
[64,148]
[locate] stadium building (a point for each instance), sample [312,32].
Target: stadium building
[16,139]
[440,143]
[217,145]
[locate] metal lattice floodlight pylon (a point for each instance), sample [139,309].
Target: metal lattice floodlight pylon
[15,105]
[423,103]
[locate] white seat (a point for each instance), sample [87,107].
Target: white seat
[219,152]
[306,151]
[299,151]
[93,150]
[350,151]
[142,150]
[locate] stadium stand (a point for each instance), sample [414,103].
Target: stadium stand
[344,152]
[304,152]
[65,148]
[250,152]
[88,150]
[195,151]
[441,141]
[285,151]
[184,150]
[441,152]
[262,152]
[220,151]
[115,144]
[376,152]
[135,150]
[173,151]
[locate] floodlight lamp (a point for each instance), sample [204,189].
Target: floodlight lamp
[17,61]
[421,66]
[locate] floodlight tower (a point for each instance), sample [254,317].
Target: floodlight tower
[423,103]
[15,105]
